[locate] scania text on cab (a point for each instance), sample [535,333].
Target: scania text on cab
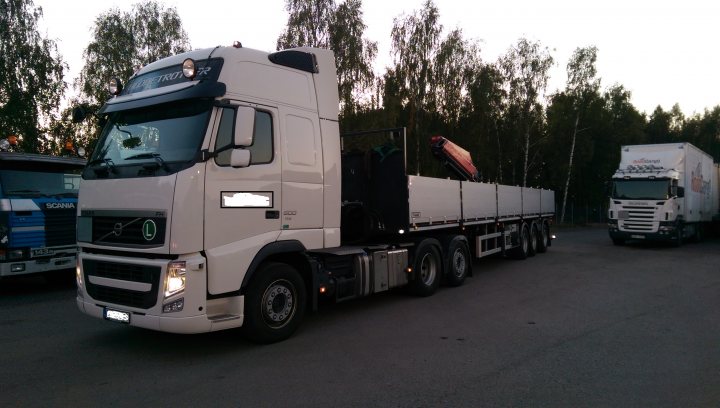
[218,196]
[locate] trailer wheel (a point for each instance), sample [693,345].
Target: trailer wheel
[544,238]
[274,304]
[533,243]
[523,248]
[427,268]
[458,263]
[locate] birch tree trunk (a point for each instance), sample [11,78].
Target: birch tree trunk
[570,163]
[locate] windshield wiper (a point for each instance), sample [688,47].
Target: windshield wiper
[109,165]
[24,191]
[158,159]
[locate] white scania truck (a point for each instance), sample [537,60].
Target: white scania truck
[218,196]
[662,192]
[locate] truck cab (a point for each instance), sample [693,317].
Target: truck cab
[645,202]
[211,164]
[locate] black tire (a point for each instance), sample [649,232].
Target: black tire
[274,304]
[427,267]
[543,238]
[523,248]
[533,243]
[458,263]
[698,236]
[618,241]
[678,240]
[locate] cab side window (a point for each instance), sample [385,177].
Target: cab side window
[261,150]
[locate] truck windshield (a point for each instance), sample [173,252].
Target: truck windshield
[641,189]
[27,183]
[161,134]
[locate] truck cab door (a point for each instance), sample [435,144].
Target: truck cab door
[242,204]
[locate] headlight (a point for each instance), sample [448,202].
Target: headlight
[175,278]
[78,275]
[15,254]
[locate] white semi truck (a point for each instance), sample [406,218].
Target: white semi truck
[218,196]
[662,192]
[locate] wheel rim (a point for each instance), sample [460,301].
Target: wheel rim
[459,263]
[278,303]
[428,269]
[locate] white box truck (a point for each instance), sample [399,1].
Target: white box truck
[662,192]
[219,197]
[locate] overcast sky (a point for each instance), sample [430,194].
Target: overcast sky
[664,52]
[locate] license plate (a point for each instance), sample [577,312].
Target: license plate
[41,252]
[637,236]
[117,316]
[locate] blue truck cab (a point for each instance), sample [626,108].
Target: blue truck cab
[38,206]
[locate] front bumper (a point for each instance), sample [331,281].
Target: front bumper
[26,267]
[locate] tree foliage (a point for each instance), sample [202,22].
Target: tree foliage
[323,24]
[122,42]
[31,75]
[526,68]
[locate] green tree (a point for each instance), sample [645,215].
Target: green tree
[455,62]
[31,74]
[414,44]
[483,118]
[125,41]
[525,68]
[308,24]
[354,55]
[582,88]
[323,24]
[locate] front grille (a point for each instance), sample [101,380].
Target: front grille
[127,231]
[60,227]
[638,219]
[126,272]
[48,228]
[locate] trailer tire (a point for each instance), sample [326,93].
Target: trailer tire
[523,248]
[543,238]
[458,263]
[274,304]
[533,244]
[427,267]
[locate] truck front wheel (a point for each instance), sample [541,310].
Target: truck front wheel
[274,304]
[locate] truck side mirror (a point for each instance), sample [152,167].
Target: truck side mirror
[244,126]
[240,158]
[680,192]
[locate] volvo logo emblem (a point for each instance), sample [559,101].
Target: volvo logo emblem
[117,229]
[149,229]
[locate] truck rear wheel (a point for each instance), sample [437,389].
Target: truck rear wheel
[458,263]
[427,268]
[274,304]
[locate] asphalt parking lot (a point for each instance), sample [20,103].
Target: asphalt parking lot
[587,324]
